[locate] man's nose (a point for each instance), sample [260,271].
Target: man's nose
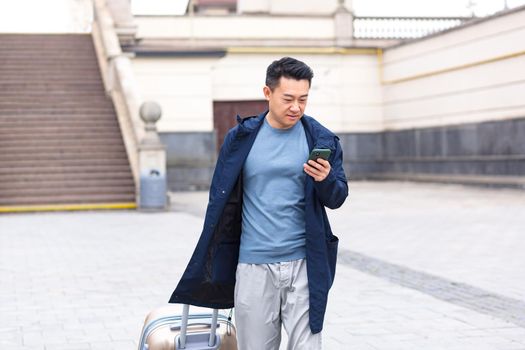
[295,106]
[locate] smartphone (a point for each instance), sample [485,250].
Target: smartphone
[323,153]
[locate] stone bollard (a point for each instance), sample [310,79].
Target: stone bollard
[152,162]
[344,26]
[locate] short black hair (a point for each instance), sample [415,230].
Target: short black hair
[287,67]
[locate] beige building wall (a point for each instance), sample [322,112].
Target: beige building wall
[231,27]
[287,6]
[473,74]
[345,94]
[448,107]
[183,88]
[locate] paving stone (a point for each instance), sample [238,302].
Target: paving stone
[86,280]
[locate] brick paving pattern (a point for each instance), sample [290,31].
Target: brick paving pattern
[477,299]
[86,280]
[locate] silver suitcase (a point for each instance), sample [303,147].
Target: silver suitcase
[165,330]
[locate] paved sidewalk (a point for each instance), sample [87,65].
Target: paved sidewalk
[421,266]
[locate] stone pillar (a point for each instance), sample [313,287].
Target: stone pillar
[124,21]
[253,6]
[152,162]
[344,26]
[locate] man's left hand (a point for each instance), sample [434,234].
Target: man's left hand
[319,169]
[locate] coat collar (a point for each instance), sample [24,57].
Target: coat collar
[250,124]
[317,135]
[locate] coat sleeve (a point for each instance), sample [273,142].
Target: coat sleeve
[333,190]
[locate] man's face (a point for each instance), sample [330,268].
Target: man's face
[286,102]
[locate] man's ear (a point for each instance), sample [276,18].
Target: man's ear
[267,93]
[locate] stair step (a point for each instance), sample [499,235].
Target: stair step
[17,63]
[65,156]
[66,122]
[38,87]
[45,145]
[42,73]
[15,187]
[55,93]
[38,38]
[29,100]
[43,67]
[30,86]
[81,52]
[33,90]
[79,189]
[79,136]
[34,175]
[68,46]
[39,103]
[58,95]
[27,58]
[46,44]
[50,153]
[63,129]
[51,116]
[56,110]
[34,79]
[69,150]
[49,47]
[55,116]
[47,96]
[11,95]
[68,199]
[37,71]
[11,71]
[47,104]
[105,166]
[70,125]
[57,51]
[59,99]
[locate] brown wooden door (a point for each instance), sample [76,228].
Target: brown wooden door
[225,113]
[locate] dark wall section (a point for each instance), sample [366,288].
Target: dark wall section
[362,154]
[490,149]
[191,159]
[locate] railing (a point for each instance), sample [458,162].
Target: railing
[402,27]
[146,154]
[119,82]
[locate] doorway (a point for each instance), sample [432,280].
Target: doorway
[225,113]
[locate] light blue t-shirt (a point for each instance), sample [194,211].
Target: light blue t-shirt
[273,218]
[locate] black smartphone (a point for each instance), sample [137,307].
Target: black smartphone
[323,153]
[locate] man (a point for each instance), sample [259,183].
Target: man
[267,246]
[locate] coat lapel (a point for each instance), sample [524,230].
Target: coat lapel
[239,149]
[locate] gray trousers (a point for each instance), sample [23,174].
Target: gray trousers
[268,295]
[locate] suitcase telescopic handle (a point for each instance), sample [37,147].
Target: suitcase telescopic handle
[177,327]
[184,326]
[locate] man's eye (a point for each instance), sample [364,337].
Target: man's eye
[287,100]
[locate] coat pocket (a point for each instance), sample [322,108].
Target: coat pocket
[332,244]
[225,263]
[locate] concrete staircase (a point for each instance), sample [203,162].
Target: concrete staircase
[60,142]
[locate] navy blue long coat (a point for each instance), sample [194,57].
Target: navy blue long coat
[209,279]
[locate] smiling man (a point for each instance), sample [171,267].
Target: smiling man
[267,246]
